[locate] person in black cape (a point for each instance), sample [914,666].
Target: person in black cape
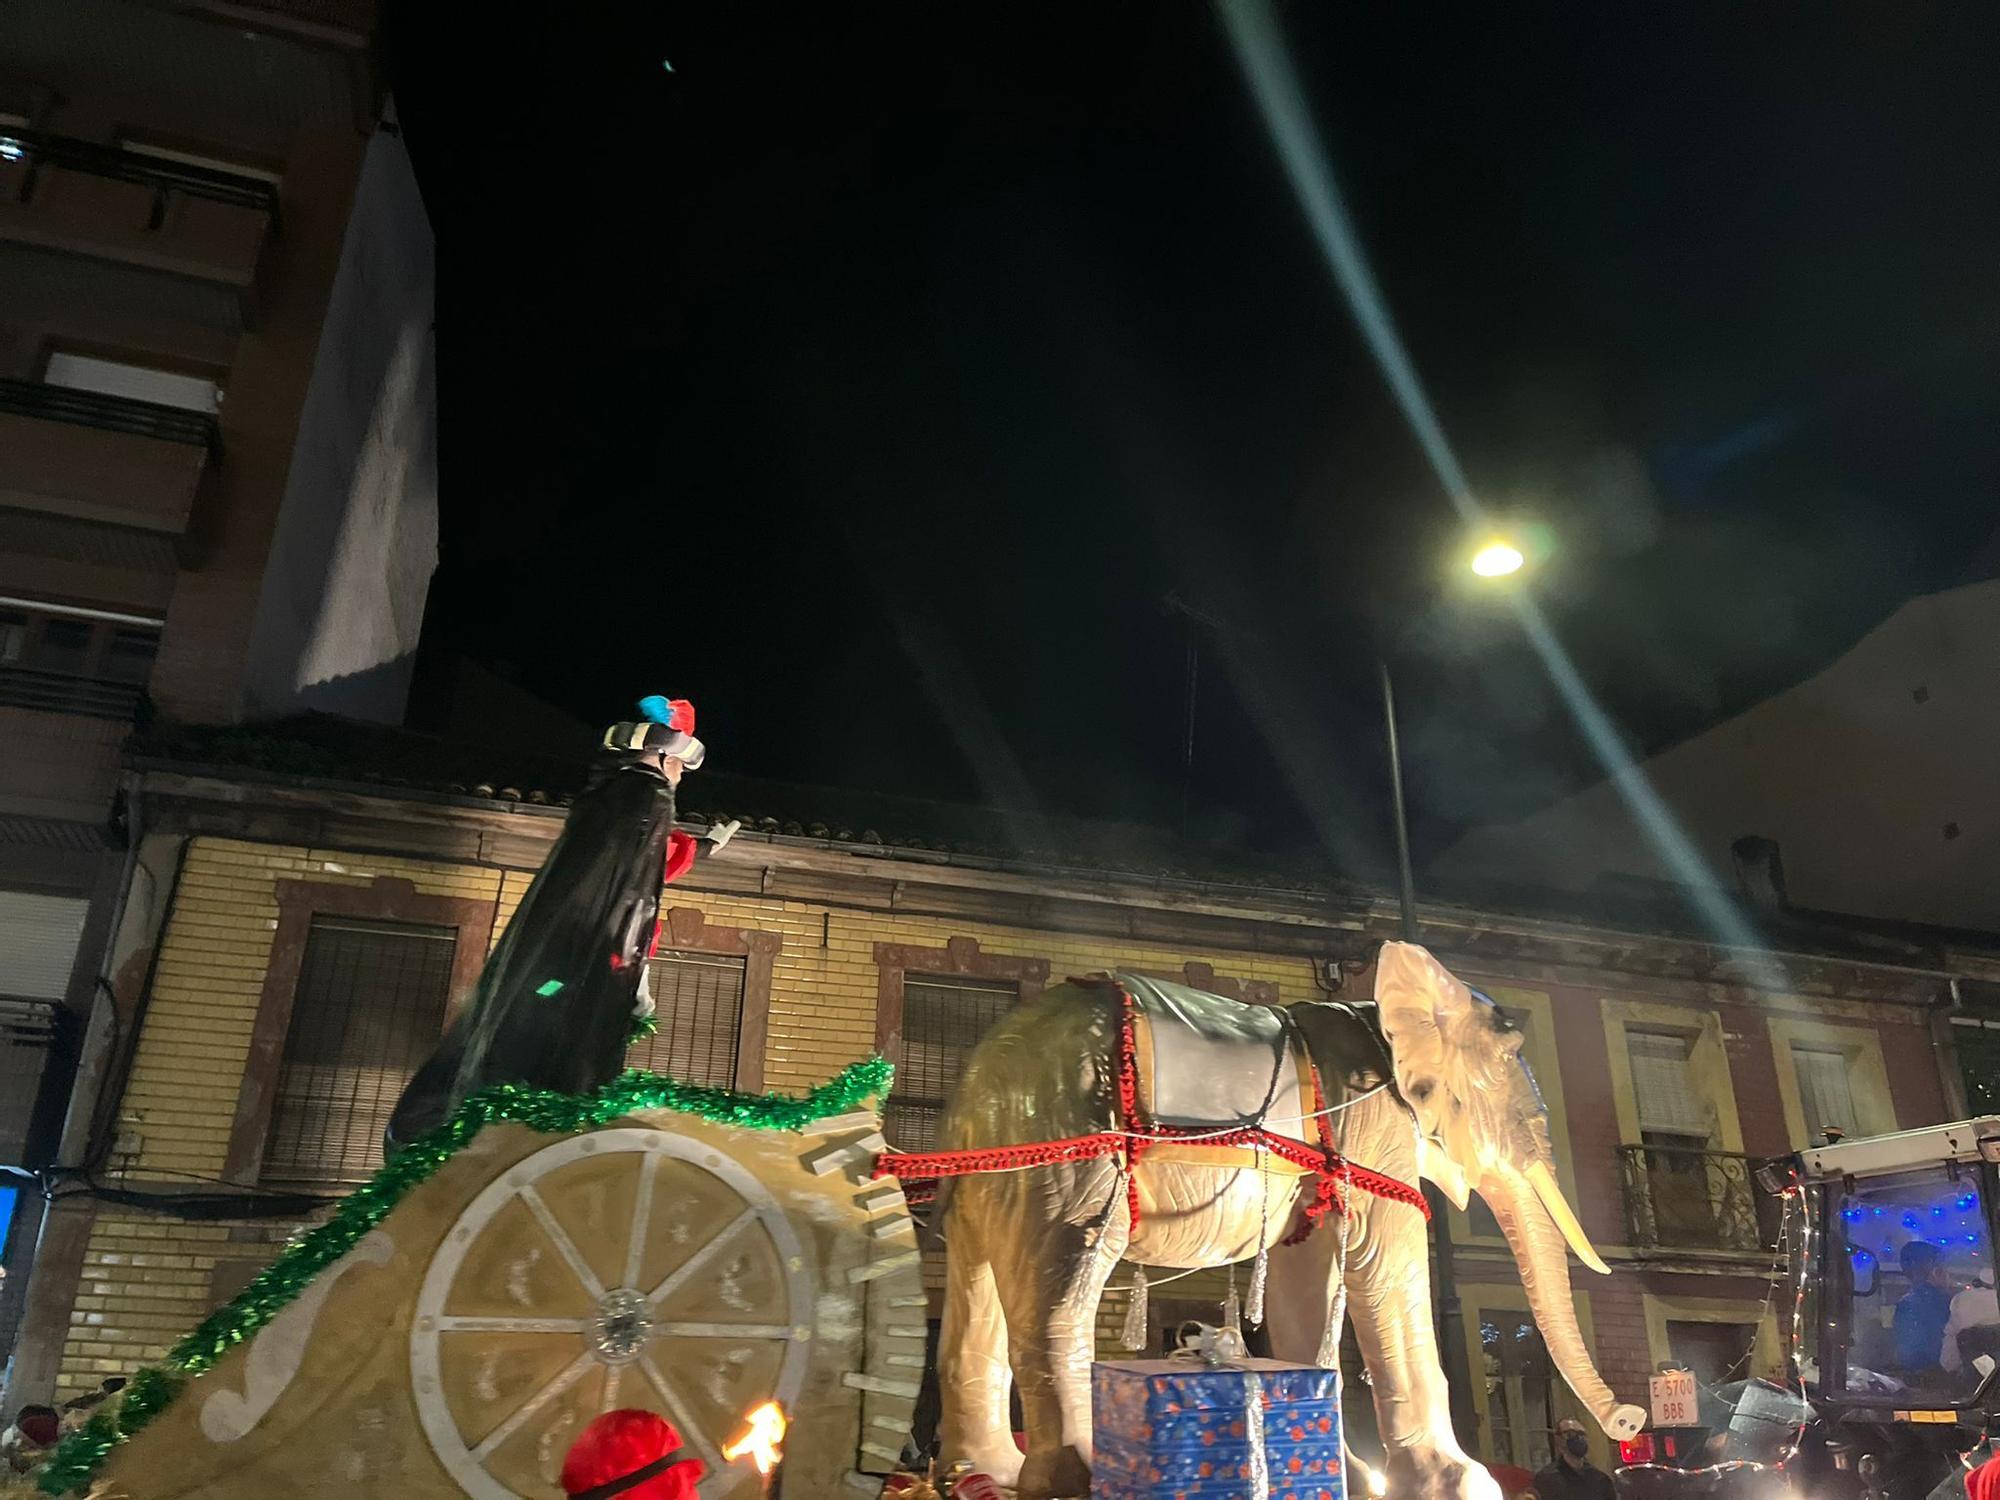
[555,1004]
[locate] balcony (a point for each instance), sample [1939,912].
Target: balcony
[145,210]
[1680,1200]
[102,458]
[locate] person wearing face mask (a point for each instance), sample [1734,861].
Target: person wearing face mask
[1572,1476]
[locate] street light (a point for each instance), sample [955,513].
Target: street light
[1496,559]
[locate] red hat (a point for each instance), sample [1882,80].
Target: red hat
[631,1455]
[1983,1483]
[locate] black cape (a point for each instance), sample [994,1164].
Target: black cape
[554,1004]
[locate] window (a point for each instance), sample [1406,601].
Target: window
[110,377]
[1676,1125]
[38,941]
[1718,1353]
[1663,1088]
[1825,1096]
[129,653]
[368,1008]
[13,636]
[1518,1394]
[64,647]
[1904,1288]
[943,1019]
[699,1005]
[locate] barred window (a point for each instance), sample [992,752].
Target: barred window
[368,1009]
[699,1001]
[943,1020]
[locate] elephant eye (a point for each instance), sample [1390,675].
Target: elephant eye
[1422,1089]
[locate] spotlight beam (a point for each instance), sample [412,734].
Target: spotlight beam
[1274,85]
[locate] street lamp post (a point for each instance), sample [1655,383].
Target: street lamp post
[1405,883]
[1496,559]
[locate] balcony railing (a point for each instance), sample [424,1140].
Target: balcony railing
[56,692]
[37,149]
[61,403]
[1681,1198]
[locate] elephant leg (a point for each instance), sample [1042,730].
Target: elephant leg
[1389,1304]
[973,1375]
[1050,1288]
[1299,1296]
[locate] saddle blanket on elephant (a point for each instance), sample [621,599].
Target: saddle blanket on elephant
[1206,1062]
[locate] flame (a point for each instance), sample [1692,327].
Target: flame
[763,1439]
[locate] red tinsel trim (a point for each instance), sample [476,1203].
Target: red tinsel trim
[1128,1101]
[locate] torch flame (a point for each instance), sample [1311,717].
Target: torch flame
[763,1439]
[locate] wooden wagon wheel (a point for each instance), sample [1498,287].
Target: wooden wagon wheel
[625,1267]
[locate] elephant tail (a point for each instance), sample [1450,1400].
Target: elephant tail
[931,1240]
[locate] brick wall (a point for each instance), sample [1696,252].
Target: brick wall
[148,1279]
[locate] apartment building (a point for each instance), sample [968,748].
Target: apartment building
[328,892]
[217,494]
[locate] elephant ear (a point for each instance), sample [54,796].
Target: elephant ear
[1442,1039]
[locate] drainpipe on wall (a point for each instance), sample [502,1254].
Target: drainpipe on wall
[56,1269]
[1944,1051]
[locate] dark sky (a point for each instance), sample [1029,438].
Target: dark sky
[872,376]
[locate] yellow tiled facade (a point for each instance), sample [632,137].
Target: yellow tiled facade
[147,1279]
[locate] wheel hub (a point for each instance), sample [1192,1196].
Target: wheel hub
[622,1325]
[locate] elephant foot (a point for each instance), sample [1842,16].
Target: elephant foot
[1434,1474]
[1058,1475]
[1002,1465]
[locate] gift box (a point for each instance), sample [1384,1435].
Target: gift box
[1252,1429]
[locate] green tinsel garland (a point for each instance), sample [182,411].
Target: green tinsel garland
[72,1464]
[79,1454]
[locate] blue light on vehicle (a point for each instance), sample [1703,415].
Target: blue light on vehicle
[1852,1215]
[1910,1220]
[1968,1200]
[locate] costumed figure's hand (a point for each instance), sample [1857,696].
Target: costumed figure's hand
[719,834]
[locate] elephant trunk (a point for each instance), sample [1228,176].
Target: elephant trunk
[1542,1252]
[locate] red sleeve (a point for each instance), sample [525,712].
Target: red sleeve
[680,855]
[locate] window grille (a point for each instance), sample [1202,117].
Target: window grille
[368,1009]
[699,1004]
[943,1020]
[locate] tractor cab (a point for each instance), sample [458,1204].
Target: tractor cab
[1890,1306]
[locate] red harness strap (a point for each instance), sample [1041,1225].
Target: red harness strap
[1329,1169]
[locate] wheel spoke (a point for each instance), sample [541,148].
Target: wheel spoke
[611,1373]
[722,1330]
[642,1212]
[565,1246]
[450,1324]
[570,1375]
[701,1257]
[677,1409]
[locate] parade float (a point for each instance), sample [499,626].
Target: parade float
[572,1280]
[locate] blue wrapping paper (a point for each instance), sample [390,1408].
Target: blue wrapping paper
[1172,1429]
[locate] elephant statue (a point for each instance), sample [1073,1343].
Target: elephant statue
[1438,1092]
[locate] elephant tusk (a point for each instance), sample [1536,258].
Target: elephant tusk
[1544,1183]
[1435,1165]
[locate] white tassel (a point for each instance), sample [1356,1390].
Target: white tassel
[1328,1357]
[1135,1311]
[1232,1305]
[1254,1308]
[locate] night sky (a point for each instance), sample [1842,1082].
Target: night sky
[875,373]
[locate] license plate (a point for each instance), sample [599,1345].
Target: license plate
[1674,1400]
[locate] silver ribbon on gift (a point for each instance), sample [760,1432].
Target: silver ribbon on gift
[1253,1429]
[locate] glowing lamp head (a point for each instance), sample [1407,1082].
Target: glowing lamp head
[1496,559]
[763,1438]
